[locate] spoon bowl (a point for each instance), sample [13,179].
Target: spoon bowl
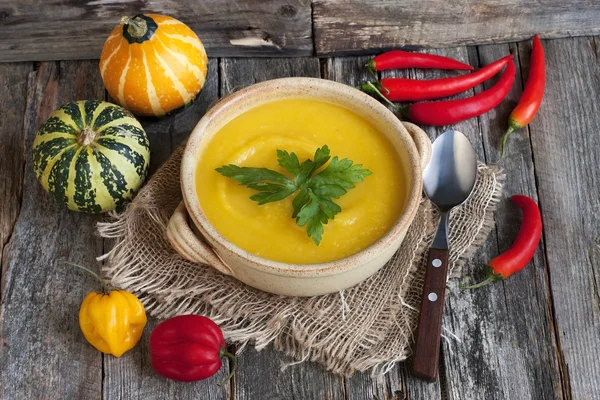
[450,176]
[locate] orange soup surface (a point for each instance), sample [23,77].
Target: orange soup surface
[301,126]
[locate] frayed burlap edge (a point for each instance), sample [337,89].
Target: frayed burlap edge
[366,327]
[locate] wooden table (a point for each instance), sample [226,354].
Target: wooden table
[534,336]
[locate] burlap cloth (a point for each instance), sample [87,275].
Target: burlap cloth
[369,326]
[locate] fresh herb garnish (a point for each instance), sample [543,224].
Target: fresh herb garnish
[313,204]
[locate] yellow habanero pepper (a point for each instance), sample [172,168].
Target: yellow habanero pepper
[112,322]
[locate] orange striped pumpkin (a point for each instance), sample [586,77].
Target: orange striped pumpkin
[152,64]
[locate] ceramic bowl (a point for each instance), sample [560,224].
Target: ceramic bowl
[192,235]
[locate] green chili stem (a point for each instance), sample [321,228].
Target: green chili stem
[504,142]
[512,126]
[372,69]
[405,112]
[491,277]
[225,353]
[378,93]
[94,274]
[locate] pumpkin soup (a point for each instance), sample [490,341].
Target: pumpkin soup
[301,126]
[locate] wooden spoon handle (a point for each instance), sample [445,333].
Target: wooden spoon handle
[427,352]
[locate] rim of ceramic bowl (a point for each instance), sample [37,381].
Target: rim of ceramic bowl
[313,86]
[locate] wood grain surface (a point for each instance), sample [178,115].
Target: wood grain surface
[504,331]
[363,26]
[565,137]
[534,336]
[132,377]
[75,30]
[13,80]
[44,354]
[70,29]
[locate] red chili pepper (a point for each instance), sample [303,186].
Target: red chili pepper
[531,99]
[398,59]
[188,348]
[402,89]
[449,112]
[522,250]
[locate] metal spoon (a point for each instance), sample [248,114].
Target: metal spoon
[448,181]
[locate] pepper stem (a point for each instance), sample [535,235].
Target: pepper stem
[491,277]
[371,68]
[513,125]
[504,142]
[371,89]
[136,27]
[95,275]
[224,353]
[404,111]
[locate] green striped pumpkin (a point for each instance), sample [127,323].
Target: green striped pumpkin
[92,156]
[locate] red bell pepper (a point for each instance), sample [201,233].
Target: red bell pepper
[188,348]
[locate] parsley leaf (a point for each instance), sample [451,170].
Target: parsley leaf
[272,185]
[246,175]
[288,161]
[312,205]
[342,173]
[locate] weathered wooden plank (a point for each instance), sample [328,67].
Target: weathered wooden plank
[44,353]
[507,347]
[13,98]
[352,71]
[418,389]
[66,30]
[258,375]
[348,70]
[132,376]
[363,386]
[355,27]
[397,384]
[565,136]
[237,73]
